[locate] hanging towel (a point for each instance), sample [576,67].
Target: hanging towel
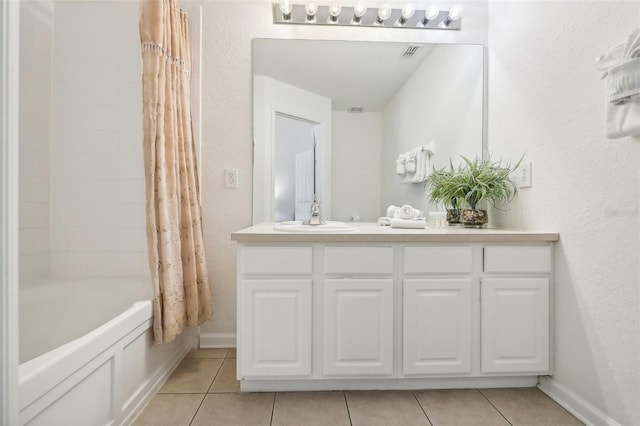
[401,165]
[411,163]
[621,72]
[422,155]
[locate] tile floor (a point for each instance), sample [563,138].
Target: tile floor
[204,391]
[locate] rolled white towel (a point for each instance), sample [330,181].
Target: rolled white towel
[384,221]
[392,211]
[408,224]
[408,212]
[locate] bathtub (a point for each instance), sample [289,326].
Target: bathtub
[87,352]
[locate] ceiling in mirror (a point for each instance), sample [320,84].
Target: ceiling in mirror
[351,73]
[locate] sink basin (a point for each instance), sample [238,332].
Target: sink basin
[329,226]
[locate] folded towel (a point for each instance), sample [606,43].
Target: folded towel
[408,212]
[384,221]
[401,165]
[409,224]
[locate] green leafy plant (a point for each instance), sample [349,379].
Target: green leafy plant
[486,180]
[445,187]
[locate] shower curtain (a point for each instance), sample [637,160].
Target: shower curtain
[174,225]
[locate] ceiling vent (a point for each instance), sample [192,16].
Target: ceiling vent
[411,50]
[355,109]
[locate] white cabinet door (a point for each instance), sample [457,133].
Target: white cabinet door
[358,327]
[275,328]
[436,326]
[515,325]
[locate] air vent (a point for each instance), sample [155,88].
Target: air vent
[355,109]
[411,50]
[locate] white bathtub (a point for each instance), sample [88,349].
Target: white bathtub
[94,361]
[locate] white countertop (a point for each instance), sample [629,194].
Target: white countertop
[372,232]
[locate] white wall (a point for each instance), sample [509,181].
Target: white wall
[36,31]
[355,164]
[450,114]
[97,186]
[227,122]
[547,99]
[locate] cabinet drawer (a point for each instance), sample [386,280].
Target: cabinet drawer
[276,260]
[437,260]
[358,260]
[525,259]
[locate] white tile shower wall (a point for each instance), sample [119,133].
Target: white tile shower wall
[36,31]
[97,178]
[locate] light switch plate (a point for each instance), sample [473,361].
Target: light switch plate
[522,175]
[230,178]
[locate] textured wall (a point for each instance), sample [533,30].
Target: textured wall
[228,28]
[546,98]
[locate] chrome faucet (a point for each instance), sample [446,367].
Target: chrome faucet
[315,214]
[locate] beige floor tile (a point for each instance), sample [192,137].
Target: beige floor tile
[193,375]
[231,409]
[529,406]
[226,380]
[208,353]
[310,409]
[459,407]
[387,408]
[169,410]
[232,353]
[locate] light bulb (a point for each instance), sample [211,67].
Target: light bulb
[429,15]
[334,12]
[455,13]
[359,9]
[384,12]
[286,7]
[406,13]
[311,8]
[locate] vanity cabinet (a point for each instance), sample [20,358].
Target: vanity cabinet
[339,315]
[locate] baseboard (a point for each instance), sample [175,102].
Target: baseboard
[217,340]
[574,403]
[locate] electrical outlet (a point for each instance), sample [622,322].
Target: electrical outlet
[230,178]
[522,175]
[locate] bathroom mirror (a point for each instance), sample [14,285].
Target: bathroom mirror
[332,117]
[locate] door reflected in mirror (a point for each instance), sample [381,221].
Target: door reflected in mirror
[364,103]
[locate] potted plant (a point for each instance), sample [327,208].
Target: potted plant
[484,181]
[446,191]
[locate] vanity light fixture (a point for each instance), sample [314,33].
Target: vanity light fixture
[311,8]
[286,7]
[455,13]
[313,12]
[407,11]
[384,12]
[359,11]
[334,12]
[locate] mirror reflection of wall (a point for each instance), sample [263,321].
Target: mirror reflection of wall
[400,102]
[294,171]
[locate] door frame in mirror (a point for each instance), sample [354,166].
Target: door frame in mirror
[272,97]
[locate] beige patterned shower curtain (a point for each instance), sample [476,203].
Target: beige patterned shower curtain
[174,225]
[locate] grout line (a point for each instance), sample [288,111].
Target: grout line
[422,408]
[197,409]
[273,408]
[215,376]
[496,408]
[344,394]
